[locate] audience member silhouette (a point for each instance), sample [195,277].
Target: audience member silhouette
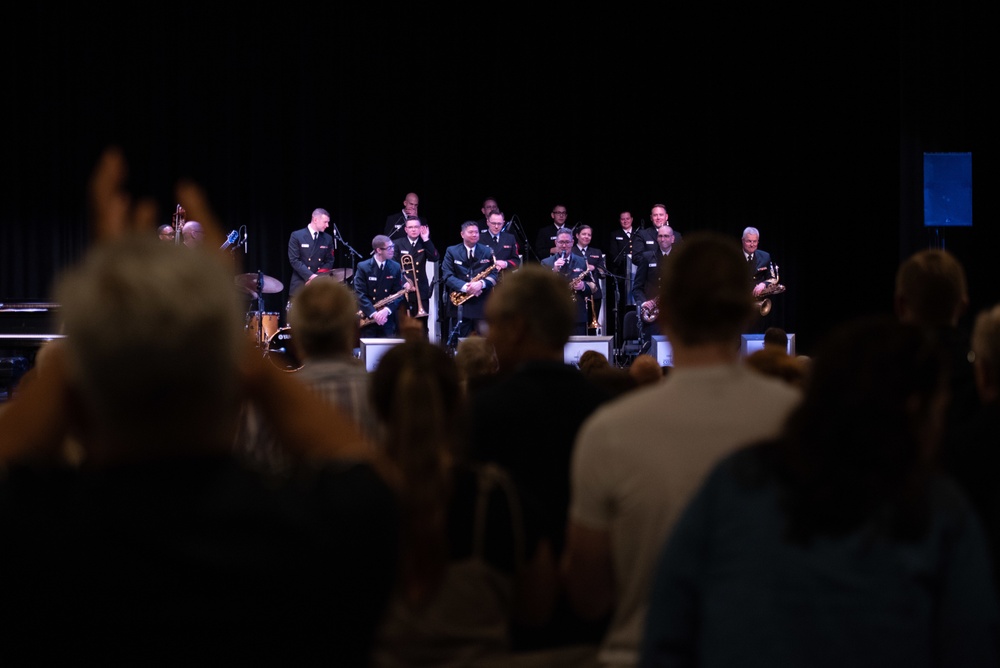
[473,558]
[836,543]
[160,546]
[637,461]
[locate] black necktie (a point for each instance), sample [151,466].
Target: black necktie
[472,255]
[750,258]
[496,240]
[315,236]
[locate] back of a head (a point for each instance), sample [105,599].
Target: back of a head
[646,370]
[323,316]
[870,420]
[705,296]
[931,289]
[476,359]
[592,360]
[416,396]
[777,337]
[154,334]
[775,362]
[541,299]
[986,348]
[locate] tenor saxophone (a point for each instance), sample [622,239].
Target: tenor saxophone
[382,302]
[462,297]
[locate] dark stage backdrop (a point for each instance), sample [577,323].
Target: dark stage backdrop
[808,127]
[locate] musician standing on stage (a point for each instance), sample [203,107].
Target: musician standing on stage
[646,287]
[461,268]
[503,244]
[647,236]
[376,279]
[310,251]
[759,268]
[758,261]
[417,244]
[572,267]
[545,245]
[595,263]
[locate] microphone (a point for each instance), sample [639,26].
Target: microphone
[245,235]
[230,240]
[336,233]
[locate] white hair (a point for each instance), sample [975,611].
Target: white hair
[154,334]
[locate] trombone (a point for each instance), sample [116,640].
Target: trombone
[408,264]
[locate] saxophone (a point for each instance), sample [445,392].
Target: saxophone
[462,297]
[382,302]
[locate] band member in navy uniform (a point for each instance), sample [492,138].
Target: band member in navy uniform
[417,244]
[503,244]
[376,279]
[461,268]
[572,267]
[395,222]
[584,234]
[646,288]
[310,251]
[545,242]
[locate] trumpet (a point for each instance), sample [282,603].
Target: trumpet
[652,313]
[409,265]
[462,297]
[382,302]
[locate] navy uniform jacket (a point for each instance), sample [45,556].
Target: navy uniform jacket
[620,247]
[546,240]
[760,270]
[647,240]
[595,257]
[648,269]
[576,266]
[371,286]
[503,249]
[457,271]
[422,253]
[308,257]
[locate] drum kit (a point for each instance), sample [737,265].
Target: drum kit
[270,337]
[273,340]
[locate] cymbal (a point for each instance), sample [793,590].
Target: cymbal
[341,274]
[248,282]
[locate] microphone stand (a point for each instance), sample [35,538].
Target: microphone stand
[614,307]
[515,222]
[354,253]
[452,343]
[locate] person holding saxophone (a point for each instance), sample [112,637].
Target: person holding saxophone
[469,272]
[380,287]
[582,283]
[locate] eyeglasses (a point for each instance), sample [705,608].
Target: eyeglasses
[559,213]
[389,247]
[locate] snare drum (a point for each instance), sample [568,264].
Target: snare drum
[280,351]
[270,326]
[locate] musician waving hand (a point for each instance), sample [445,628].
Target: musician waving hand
[379,285]
[469,274]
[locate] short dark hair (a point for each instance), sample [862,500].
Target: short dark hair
[704,295]
[776,336]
